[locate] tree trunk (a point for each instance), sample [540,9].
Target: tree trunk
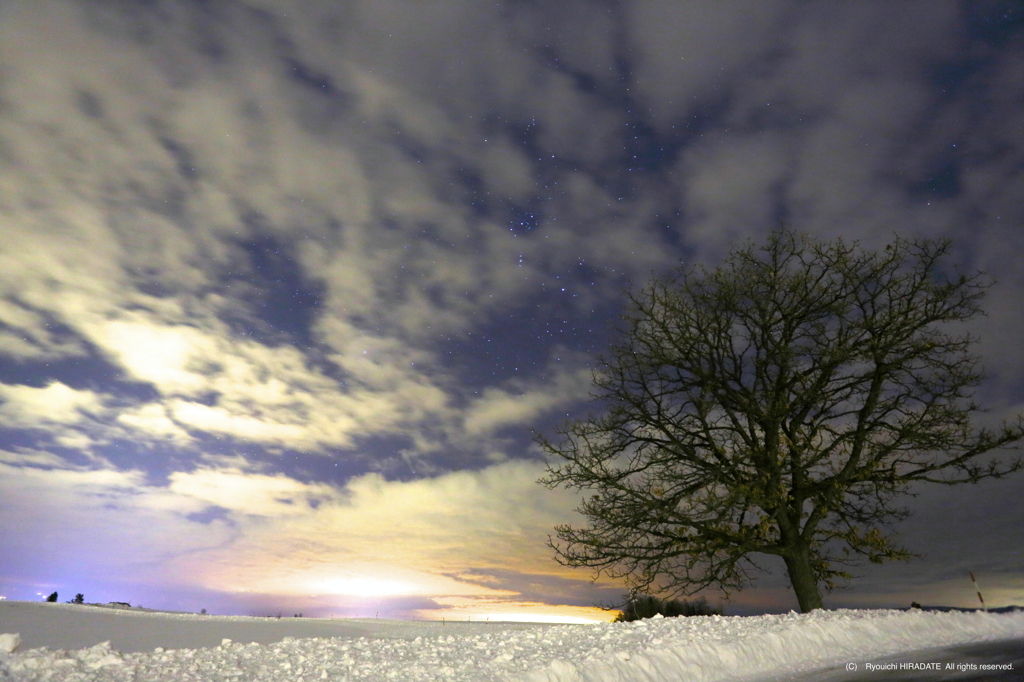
[802,578]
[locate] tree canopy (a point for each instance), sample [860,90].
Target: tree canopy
[780,404]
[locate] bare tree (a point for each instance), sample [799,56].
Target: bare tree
[779,405]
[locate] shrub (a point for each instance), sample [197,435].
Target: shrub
[79,599]
[52,597]
[645,606]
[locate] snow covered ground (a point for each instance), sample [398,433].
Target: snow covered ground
[700,648]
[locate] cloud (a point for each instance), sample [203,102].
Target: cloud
[29,407]
[27,336]
[70,418]
[248,493]
[185,158]
[686,51]
[498,408]
[303,538]
[153,421]
[733,185]
[273,534]
[94,523]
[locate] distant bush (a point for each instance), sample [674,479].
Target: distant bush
[645,606]
[79,599]
[52,597]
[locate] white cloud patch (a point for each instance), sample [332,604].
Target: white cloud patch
[249,493]
[498,408]
[152,420]
[30,407]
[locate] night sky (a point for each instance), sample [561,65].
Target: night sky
[286,285]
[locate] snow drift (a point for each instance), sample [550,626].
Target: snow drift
[696,648]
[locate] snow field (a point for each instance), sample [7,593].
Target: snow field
[670,649]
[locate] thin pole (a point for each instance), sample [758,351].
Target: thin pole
[978,590]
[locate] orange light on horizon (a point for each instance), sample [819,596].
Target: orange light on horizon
[491,610]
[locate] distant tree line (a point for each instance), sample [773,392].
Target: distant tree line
[79,598]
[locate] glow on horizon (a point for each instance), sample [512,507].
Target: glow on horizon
[368,581]
[461,610]
[539,618]
[367,587]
